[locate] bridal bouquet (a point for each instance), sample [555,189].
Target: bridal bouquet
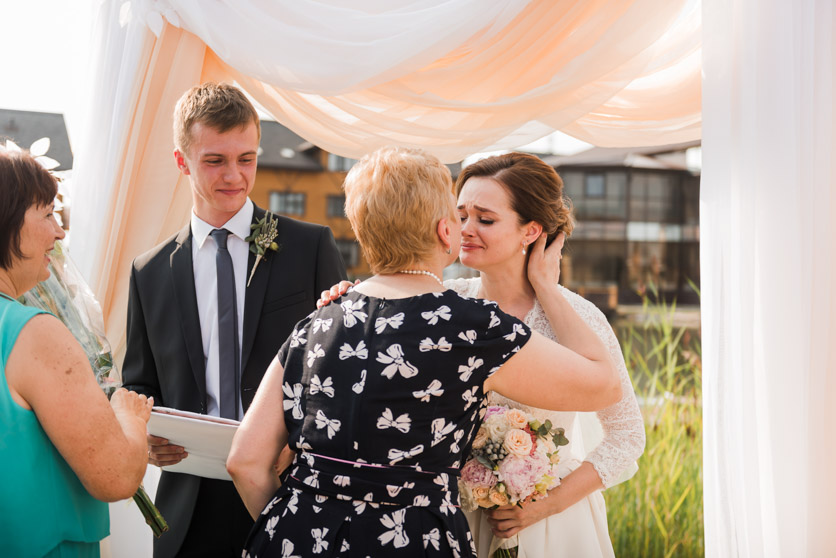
[513,460]
[66,295]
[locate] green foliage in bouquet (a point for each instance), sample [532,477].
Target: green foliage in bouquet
[659,512]
[66,295]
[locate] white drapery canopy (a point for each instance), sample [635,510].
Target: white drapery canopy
[461,76]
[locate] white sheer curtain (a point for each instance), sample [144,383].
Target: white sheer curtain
[768,257]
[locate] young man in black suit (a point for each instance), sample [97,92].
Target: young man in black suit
[197,347]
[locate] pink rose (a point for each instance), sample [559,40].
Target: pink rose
[520,474]
[475,474]
[518,442]
[495,410]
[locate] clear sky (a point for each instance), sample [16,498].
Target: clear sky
[46,55]
[45,52]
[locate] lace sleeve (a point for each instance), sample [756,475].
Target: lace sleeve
[624,436]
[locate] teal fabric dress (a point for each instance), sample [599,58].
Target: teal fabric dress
[44,508]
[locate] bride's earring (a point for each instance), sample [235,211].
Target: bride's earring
[523,245]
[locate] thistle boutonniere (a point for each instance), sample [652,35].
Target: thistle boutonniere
[262,239]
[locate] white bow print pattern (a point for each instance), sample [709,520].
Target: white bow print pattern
[395,534]
[326,387]
[518,329]
[470,397]
[443,312]
[466,370]
[358,387]
[320,543]
[432,538]
[469,336]
[394,322]
[314,354]
[361,352]
[287,550]
[324,324]
[394,358]
[387,420]
[353,312]
[495,321]
[428,344]
[434,389]
[322,421]
[294,400]
[441,428]
[298,337]
[396,455]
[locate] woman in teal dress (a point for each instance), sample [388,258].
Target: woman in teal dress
[64,449]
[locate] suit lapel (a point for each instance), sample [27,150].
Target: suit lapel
[254,298]
[182,274]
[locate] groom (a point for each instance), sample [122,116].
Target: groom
[199,336]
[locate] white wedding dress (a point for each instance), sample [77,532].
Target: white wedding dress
[580,530]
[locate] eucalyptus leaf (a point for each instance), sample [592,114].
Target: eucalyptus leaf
[486,462]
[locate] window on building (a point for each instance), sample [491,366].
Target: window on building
[287,203]
[336,206]
[595,187]
[597,195]
[655,197]
[340,164]
[349,250]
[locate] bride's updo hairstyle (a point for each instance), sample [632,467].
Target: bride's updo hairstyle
[534,188]
[394,199]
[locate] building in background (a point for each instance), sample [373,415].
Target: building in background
[298,179]
[26,127]
[638,223]
[637,208]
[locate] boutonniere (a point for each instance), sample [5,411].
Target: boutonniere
[262,239]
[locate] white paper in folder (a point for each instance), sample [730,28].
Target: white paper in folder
[207,440]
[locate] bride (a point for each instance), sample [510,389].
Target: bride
[511,206]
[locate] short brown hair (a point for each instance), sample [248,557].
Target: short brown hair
[535,189]
[220,106]
[394,198]
[23,183]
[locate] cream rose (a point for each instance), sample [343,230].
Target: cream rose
[480,439]
[480,492]
[518,442]
[499,498]
[516,418]
[496,426]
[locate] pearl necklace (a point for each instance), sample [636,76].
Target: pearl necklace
[422,272]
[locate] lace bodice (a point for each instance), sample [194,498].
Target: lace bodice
[624,437]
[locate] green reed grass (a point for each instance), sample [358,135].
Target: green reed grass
[659,512]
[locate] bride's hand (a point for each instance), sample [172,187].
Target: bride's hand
[544,263]
[334,293]
[507,521]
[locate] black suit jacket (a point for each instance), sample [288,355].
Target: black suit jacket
[164,355]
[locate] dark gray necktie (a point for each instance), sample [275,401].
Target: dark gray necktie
[229,361]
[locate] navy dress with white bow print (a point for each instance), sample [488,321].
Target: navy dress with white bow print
[382,399]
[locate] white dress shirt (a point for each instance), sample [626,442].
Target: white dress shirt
[206,289]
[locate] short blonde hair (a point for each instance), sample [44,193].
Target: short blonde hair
[394,199]
[220,106]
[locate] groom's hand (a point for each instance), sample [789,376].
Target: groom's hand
[161,453]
